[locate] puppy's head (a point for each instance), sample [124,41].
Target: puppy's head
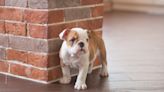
[76,40]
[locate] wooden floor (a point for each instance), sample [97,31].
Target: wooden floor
[135,46]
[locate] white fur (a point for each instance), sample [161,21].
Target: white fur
[104,71]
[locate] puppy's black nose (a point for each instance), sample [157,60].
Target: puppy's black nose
[81,44]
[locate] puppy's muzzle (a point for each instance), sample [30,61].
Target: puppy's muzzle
[81,44]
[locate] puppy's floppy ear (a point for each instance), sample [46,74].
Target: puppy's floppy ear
[89,33]
[64,34]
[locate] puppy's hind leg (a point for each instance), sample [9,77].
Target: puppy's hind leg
[102,58]
[90,68]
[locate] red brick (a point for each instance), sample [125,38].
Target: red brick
[43,60]
[44,75]
[29,72]
[54,30]
[54,74]
[17,69]
[97,11]
[70,25]
[2,12]
[37,31]
[53,60]
[14,14]
[17,55]
[87,2]
[36,59]
[2,27]
[51,31]
[35,16]
[15,28]
[37,74]
[3,66]
[55,16]
[2,2]
[91,24]
[11,14]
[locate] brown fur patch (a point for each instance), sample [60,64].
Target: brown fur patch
[72,37]
[92,44]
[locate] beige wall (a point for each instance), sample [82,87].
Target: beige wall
[149,6]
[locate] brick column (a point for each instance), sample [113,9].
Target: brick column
[29,43]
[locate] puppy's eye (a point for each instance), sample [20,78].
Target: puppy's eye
[87,40]
[73,39]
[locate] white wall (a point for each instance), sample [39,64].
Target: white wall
[149,6]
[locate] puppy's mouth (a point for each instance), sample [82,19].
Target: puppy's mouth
[82,50]
[79,53]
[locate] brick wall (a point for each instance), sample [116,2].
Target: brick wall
[29,43]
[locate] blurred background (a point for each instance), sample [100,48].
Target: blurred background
[134,36]
[149,6]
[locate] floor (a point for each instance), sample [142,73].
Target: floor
[135,45]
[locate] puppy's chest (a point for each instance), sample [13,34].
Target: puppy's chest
[72,61]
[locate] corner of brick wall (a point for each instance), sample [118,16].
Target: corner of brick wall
[29,43]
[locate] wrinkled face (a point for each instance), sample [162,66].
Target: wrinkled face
[77,41]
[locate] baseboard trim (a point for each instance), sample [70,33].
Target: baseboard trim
[37,81]
[21,77]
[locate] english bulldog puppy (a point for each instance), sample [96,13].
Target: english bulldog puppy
[79,49]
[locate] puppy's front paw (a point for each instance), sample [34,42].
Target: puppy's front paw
[65,80]
[80,86]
